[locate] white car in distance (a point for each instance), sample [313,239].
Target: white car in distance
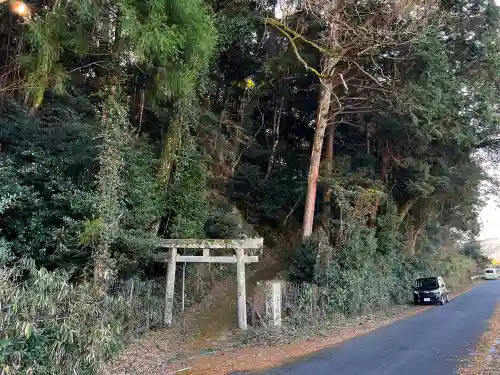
[490,274]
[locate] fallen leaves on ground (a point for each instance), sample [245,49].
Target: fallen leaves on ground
[261,358]
[486,358]
[194,351]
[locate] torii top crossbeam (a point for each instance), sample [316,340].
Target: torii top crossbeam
[249,243]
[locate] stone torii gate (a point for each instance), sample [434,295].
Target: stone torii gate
[239,257]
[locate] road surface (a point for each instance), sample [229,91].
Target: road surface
[433,342]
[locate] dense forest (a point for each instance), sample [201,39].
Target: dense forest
[350,134]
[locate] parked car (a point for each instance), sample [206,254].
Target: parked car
[490,274]
[430,290]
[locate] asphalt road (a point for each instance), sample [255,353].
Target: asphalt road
[433,342]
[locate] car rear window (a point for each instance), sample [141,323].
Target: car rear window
[489,271]
[428,283]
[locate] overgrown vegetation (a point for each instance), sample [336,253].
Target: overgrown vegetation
[125,121]
[50,326]
[366,275]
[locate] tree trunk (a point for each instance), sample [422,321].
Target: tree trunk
[330,140]
[405,209]
[325,94]
[276,134]
[109,184]
[324,233]
[171,143]
[411,240]
[141,112]
[114,122]
[372,221]
[384,170]
[368,138]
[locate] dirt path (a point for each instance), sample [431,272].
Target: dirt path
[204,328]
[217,313]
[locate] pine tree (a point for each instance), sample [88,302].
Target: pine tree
[164,43]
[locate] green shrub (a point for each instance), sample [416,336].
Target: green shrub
[377,284]
[50,326]
[187,204]
[368,271]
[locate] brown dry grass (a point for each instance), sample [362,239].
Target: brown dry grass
[486,358]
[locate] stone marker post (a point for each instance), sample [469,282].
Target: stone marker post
[273,303]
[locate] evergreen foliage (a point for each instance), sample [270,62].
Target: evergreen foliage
[124,121]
